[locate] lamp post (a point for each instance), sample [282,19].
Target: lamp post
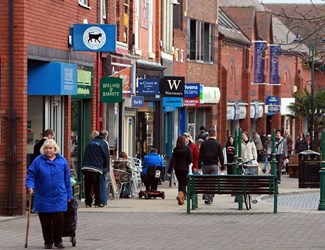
[313,40]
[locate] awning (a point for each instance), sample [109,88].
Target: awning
[52,78]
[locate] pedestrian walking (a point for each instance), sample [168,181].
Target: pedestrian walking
[95,164]
[180,162]
[259,146]
[281,151]
[48,178]
[103,194]
[210,155]
[203,133]
[267,153]
[249,152]
[194,151]
[229,154]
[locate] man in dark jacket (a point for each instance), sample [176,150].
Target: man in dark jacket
[95,163]
[210,155]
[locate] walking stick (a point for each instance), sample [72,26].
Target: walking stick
[28,219]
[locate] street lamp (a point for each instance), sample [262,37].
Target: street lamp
[313,41]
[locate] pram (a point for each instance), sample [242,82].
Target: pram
[70,222]
[151,180]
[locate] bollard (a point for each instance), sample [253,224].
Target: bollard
[321,205]
[273,171]
[238,134]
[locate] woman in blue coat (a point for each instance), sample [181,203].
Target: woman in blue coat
[48,178]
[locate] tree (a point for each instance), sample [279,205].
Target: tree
[301,109]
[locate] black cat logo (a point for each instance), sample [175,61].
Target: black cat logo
[94,37]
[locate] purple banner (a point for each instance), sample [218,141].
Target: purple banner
[274,64]
[259,61]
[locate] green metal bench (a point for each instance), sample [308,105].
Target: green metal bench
[230,184]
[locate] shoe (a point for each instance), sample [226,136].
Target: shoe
[100,205]
[264,170]
[48,246]
[59,245]
[208,202]
[88,206]
[180,198]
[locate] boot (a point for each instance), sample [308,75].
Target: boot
[180,198]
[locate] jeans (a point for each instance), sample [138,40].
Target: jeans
[103,192]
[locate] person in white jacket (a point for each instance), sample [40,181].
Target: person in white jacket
[249,152]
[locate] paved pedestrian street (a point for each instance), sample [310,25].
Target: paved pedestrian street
[147,230]
[162,224]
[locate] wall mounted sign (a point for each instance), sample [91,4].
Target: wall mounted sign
[94,37]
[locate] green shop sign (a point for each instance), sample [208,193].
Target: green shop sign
[85,88]
[111,89]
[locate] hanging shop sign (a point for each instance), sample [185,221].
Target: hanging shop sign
[191,95]
[52,78]
[274,63]
[125,75]
[137,101]
[94,37]
[230,111]
[148,87]
[259,62]
[111,89]
[272,105]
[210,95]
[172,86]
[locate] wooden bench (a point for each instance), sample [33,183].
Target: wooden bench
[230,184]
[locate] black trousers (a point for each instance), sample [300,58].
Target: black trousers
[52,226]
[150,182]
[93,182]
[182,180]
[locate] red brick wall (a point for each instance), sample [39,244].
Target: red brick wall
[42,23]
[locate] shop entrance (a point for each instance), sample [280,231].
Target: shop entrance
[44,112]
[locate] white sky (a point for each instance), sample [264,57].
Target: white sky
[293,1]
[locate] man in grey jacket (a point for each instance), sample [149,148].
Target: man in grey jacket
[281,151]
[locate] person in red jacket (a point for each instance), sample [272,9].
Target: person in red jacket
[194,151]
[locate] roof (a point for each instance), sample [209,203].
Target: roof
[246,25]
[229,29]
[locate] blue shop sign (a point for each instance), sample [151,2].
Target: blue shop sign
[94,37]
[52,78]
[137,101]
[148,87]
[175,102]
[272,100]
[191,90]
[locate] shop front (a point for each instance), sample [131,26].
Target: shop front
[149,118]
[49,84]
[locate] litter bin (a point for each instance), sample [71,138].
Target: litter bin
[309,166]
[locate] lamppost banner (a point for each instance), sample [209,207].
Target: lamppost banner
[274,63]
[259,61]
